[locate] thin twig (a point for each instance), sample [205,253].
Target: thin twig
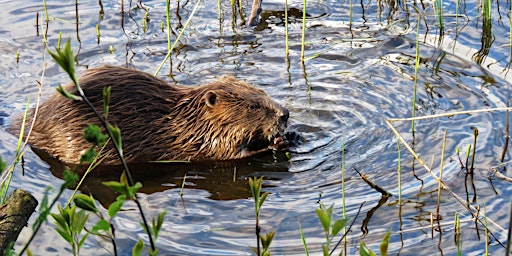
[348,230]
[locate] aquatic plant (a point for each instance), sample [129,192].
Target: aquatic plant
[65,59]
[259,199]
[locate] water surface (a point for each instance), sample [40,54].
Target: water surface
[359,72]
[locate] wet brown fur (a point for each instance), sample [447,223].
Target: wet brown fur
[225,119]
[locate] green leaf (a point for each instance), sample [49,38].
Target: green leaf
[116,136]
[262,199]
[137,249]
[89,155]
[133,190]
[64,234]
[94,134]
[66,60]
[60,221]
[117,186]
[384,245]
[325,219]
[338,225]
[364,250]
[157,223]
[86,202]
[115,207]
[70,179]
[66,94]
[325,249]
[3,165]
[82,241]
[78,221]
[267,239]
[101,225]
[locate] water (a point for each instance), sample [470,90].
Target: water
[357,75]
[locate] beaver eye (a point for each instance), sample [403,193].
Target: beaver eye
[254,106]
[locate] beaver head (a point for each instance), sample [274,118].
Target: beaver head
[226,119]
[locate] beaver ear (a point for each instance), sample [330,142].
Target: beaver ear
[210,98]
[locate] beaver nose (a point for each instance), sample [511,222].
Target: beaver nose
[284,115]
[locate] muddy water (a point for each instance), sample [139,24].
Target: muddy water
[358,73]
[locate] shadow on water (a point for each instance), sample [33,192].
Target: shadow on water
[224,180]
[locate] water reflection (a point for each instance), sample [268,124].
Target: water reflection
[223,180]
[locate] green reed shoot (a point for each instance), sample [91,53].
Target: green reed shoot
[196,6]
[438,6]
[384,245]
[475,133]
[70,224]
[416,69]
[44,209]
[458,241]
[287,40]
[98,32]
[439,185]
[343,206]
[219,12]
[168,23]
[399,174]
[331,229]
[509,235]
[343,201]
[486,9]
[46,20]
[3,165]
[7,176]
[144,25]
[457,6]
[303,239]
[259,199]
[303,42]
[59,39]
[350,13]
[183,185]
[486,230]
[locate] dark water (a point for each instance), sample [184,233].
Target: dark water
[358,74]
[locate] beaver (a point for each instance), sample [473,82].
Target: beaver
[221,120]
